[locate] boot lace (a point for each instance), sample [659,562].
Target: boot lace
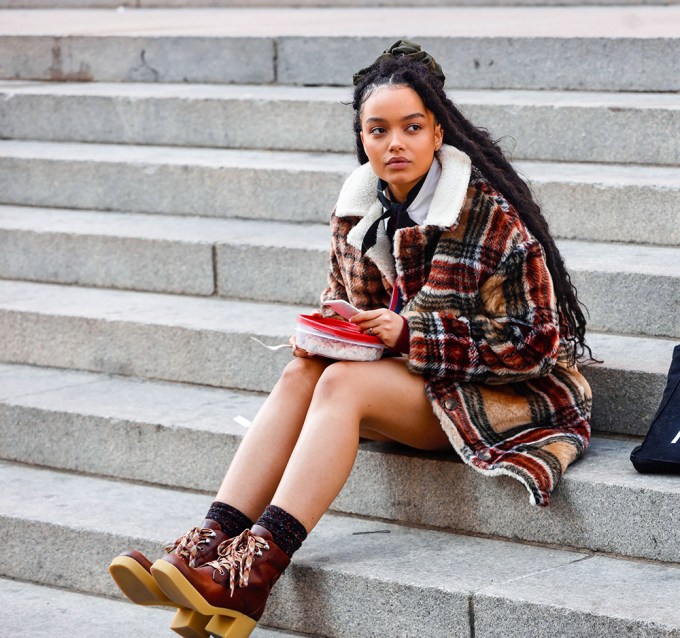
[237,555]
[190,544]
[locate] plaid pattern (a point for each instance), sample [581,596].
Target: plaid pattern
[484,334]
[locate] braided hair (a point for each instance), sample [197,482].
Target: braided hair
[488,158]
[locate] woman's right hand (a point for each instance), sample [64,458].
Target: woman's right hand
[298,352]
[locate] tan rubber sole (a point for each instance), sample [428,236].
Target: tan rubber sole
[136,583]
[140,587]
[225,623]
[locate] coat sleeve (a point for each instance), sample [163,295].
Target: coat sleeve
[513,338]
[335,286]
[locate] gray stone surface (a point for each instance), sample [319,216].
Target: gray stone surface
[164,254]
[184,436]
[627,289]
[593,597]
[343,565]
[66,247]
[589,22]
[46,612]
[40,611]
[604,127]
[267,116]
[627,387]
[116,4]
[209,182]
[206,341]
[162,433]
[573,48]
[276,262]
[581,201]
[184,57]
[561,63]
[604,202]
[269,261]
[151,335]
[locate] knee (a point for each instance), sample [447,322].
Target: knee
[338,382]
[302,374]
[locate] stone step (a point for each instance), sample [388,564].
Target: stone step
[279,262]
[228,183]
[39,611]
[260,260]
[122,5]
[160,433]
[632,128]
[634,48]
[207,341]
[416,582]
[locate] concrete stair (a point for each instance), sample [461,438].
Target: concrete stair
[45,612]
[286,262]
[122,5]
[627,128]
[137,334]
[416,582]
[159,433]
[571,48]
[159,179]
[154,218]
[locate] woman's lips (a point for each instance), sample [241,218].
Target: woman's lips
[398,163]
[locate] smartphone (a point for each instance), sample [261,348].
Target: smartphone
[343,308]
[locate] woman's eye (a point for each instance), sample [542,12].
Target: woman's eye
[414,127]
[377,130]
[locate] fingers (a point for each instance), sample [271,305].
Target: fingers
[373,320]
[298,352]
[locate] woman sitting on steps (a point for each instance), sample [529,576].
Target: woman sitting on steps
[438,226]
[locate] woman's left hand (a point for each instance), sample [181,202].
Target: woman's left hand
[383,323]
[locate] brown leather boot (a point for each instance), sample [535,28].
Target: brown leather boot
[233,588]
[132,573]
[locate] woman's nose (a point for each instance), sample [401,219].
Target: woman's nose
[395,141]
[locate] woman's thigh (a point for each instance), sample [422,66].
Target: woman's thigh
[387,398]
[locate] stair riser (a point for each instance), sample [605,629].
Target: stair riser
[167,455]
[292,602]
[114,4]
[603,212]
[624,64]
[151,351]
[230,360]
[137,59]
[176,190]
[544,63]
[289,275]
[111,262]
[575,209]
[616,135]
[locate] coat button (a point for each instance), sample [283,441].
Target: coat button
[450,404]
[484,455]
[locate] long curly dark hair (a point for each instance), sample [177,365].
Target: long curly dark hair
[488,158]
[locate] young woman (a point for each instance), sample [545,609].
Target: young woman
[440,245]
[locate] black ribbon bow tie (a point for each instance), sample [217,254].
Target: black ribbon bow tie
[394,211]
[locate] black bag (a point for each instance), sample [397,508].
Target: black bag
[660,451]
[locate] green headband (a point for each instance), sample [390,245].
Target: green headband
[409,49]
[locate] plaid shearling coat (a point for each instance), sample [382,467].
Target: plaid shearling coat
[483,321]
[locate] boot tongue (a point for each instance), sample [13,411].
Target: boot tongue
[262,532]
[210,523]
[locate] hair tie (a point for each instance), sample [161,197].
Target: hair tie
[404,48]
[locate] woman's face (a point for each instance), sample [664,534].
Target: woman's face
[400,136]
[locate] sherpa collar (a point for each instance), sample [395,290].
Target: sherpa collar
[358,199]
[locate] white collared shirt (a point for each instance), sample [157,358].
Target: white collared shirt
[420,206]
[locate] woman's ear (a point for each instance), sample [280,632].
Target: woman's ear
[438,136]
[361,135]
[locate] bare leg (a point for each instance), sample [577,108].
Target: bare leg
[260,460]
[384,398]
